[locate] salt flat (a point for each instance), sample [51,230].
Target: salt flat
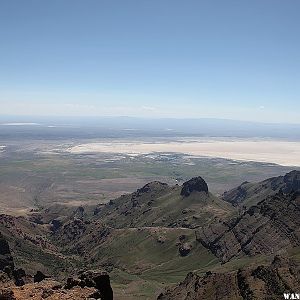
[271,151]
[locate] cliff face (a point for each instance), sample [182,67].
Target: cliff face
[262,282]
[196,184]
[268,227]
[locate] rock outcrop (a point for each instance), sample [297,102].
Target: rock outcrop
[159,205]
[270,226]
[139,232]
[249,194]
[196,184]
[237,195]
[92,284]
[184,249]
[262,282]
[8,273]
[291,182]
[6,259]
[98,280]
[88,285]
[46,289]
[155,186]
[39,276]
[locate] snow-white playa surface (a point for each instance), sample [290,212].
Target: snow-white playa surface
[279,152]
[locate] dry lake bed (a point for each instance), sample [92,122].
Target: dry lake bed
[280,152]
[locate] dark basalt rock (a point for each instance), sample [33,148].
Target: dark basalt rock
[19,276]
[271,226]
[36,218]
[289,183]
[292,182]
[98,280]
[39,276]
[6,260]
[71,282]
[7,264]
[151,187]
[161,239]
[248,283]
[56,224]
[98,209]
[185,249]
[236,195]
[196,184]
[79,213]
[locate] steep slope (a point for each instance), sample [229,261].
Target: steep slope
[119,237]
[30,245]
[136,246]
[157,204]
[146,251]
[271,226]
[151,232]
[248,194]
[159,233]
[15,284]
[251,283]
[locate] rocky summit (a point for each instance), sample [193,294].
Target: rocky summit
[196,184]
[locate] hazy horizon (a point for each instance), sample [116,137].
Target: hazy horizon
[162,59]
[24,117]
[14,127]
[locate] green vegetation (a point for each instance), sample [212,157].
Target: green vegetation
[36,179]
[146,264]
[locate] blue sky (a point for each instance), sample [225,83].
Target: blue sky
[161,58]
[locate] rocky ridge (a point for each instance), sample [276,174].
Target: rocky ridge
[15,284]
[271,226]
[156,226]
[249,283]
[157,204]
[248,194]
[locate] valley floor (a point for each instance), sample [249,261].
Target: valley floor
[271,151]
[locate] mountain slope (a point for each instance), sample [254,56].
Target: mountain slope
[268,227]
[157,204]
[271,226]
[159,233]
[30,245]
[15,284]
[248,194]
[250,283]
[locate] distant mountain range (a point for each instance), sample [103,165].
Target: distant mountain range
[120,126]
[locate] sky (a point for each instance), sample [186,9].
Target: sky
[232,59]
